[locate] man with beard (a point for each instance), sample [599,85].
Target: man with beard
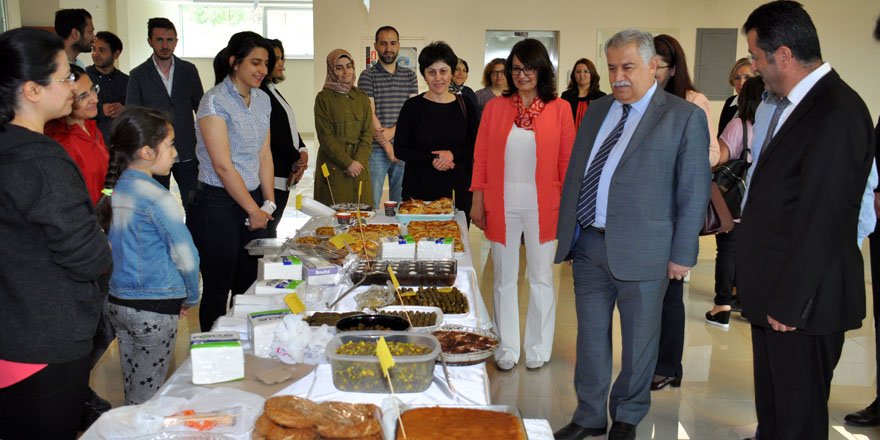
[388,86]
[76,28]
[169,84]
[112,83]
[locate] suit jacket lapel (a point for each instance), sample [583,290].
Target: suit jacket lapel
[153,74]
[652,114]
[802,108]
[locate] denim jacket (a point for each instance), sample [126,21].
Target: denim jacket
[153,252]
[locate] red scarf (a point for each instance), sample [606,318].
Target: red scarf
[526,116]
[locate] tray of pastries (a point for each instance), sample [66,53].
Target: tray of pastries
[408,272]
[415,209]
[462,345]
[291,417]
[420,229]
[461,422]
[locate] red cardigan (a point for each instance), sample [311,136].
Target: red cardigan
[554,136]
[86,149]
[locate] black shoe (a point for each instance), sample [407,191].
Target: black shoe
[735,305]
[622,431]
[574,431]
[659,384]
[94,407]
[720,319]
[866,417]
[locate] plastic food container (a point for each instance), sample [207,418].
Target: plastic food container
[362,374]
[386,322]
[265,246]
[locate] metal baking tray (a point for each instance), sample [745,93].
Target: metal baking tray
[507,409]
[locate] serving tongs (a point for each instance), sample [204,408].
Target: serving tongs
[344,294]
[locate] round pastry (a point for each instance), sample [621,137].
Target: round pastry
[292,411]
[347,421]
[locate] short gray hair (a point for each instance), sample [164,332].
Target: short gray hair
[644,42]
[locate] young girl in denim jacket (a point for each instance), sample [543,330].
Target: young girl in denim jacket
[155,264]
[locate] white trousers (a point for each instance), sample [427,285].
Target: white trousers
[541,315]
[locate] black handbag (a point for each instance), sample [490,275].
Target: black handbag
[731,178]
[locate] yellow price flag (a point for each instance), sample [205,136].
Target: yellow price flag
[324,170]
[384,355]
[393,277]
[294,303]
[341,240]
[299,202]
[360,186]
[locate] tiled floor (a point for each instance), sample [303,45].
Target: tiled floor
[714,401]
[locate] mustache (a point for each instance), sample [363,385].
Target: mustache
[622,83]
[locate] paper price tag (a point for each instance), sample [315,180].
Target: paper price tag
[341,240]
[294,303]
[393,278]
[299,202]
[386,361]
[324,170]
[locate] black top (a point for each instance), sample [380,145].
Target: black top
[113,87]
[425,126]
[571,95]
[285,152]
[52,252]
[727,114]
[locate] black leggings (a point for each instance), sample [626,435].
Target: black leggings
[217,226]
[47,405]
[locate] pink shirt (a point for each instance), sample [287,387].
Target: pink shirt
[733,137]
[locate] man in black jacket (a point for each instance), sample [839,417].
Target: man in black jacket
[799,270]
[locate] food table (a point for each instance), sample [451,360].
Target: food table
[470,384]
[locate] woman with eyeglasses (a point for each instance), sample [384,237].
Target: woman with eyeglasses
[520,159]
[672,76]
[583,88]
[78,133]
[51,245]
[494,83]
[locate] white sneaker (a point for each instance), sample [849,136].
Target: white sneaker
[505,364]
[533,364]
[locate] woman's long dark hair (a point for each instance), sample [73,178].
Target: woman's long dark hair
[670,50]
[749,98]
[240,46]
[532,53]
[134,128]
[594,76]
[28,55]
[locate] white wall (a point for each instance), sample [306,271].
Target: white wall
[13,14]
[844,28]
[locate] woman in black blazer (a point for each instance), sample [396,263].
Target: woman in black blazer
[289,153]
[739,73]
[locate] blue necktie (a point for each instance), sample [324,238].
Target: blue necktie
[586,207]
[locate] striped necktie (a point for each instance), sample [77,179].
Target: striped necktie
[586,207]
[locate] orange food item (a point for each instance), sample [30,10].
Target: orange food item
[438,423]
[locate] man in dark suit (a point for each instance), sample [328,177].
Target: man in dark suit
[632,207]
[870,416]
[167,83]
[799,269]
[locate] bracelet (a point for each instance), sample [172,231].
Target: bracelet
[269,206]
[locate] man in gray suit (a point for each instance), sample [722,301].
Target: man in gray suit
[632,206]
[167,83]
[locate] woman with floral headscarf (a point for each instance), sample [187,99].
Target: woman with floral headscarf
[343,121]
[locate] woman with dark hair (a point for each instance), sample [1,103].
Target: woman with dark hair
[155,263]
[234,199]
[737,133]
[459,77]
[739,73]
[583,87]
[53,249]
[520,159]
[435,134]
[494,83]
[343,122]
[673,77]
[290,156]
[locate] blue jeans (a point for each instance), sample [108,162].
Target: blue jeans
[380,166]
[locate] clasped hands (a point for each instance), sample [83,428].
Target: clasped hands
[443,160]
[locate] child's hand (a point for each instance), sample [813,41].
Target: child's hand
[184,311]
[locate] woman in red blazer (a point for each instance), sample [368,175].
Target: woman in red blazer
[520,158]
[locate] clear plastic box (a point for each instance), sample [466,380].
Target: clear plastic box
[362,374]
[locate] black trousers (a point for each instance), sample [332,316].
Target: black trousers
[874,243]
[671,331]
[793,374]
[48,405]
[217,225]
[725,266]
[281,198]
[186,174]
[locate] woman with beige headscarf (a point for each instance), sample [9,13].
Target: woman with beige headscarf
[343,121]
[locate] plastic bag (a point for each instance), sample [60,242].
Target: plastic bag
[295,342]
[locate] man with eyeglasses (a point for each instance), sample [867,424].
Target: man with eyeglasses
[75,27]
[111,81]
[632,206]
[167,83]
[388,86]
